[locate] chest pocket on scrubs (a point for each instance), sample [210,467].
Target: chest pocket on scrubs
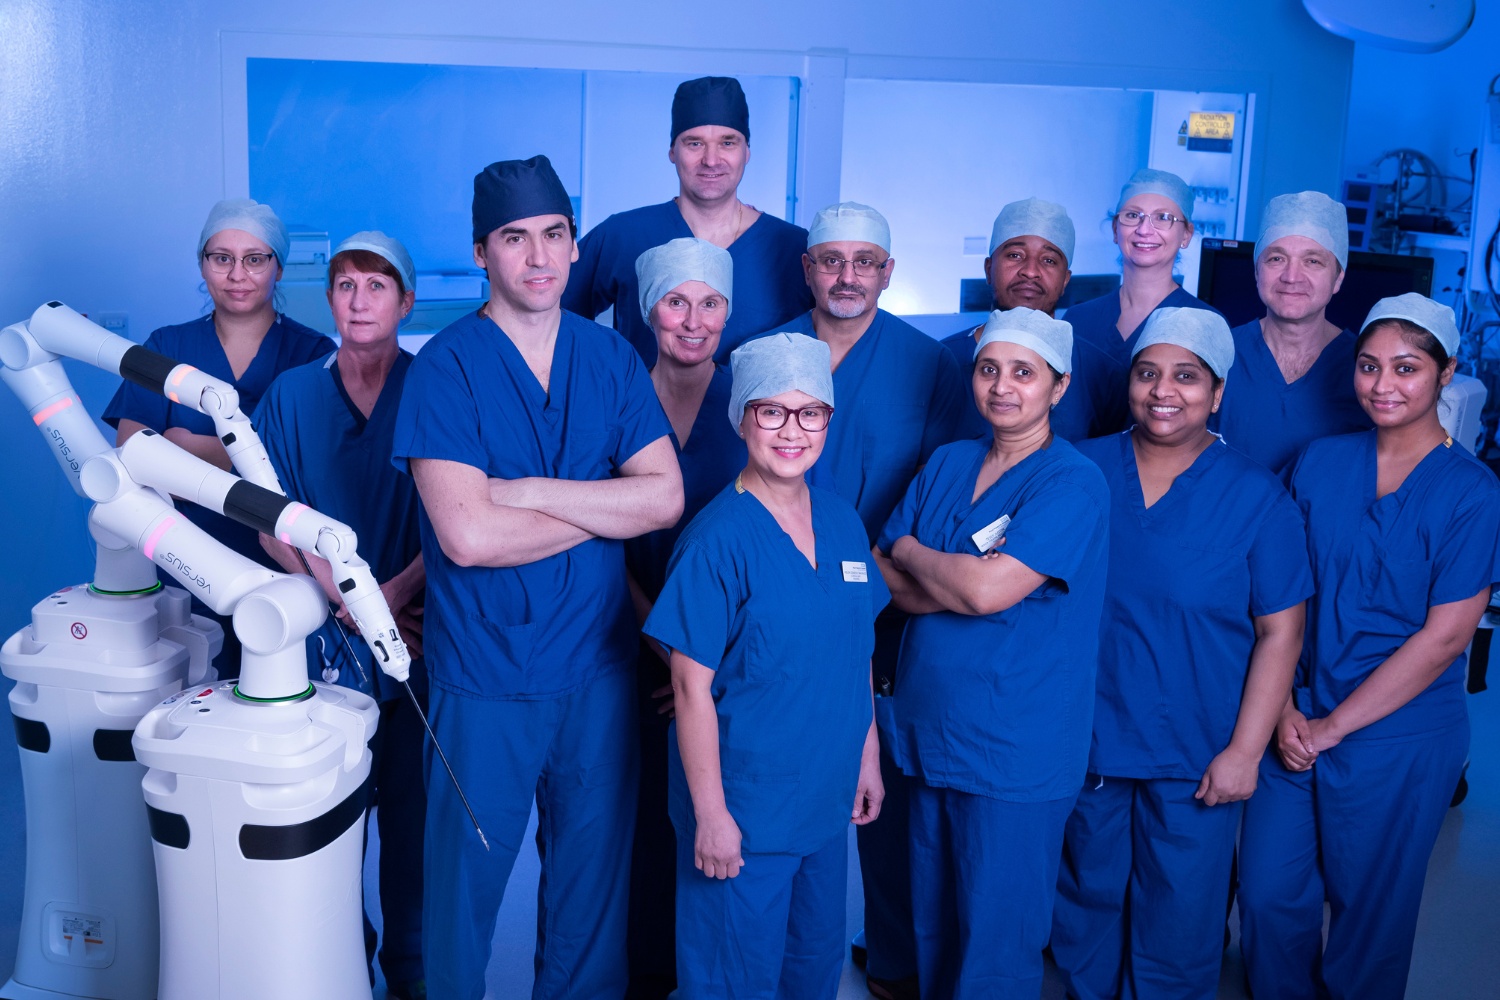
[588,451]
[1397,586]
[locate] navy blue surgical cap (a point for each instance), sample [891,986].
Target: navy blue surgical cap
[517,189]
[710,100]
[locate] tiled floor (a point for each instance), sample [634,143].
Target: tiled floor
[1456,956]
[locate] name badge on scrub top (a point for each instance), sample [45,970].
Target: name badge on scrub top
[855,572]
[986,537]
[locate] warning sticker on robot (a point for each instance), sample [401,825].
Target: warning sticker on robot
[79,630]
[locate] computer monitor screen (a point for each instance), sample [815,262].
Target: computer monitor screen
[1226,281]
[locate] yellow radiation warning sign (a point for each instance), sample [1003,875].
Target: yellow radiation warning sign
[1211,131]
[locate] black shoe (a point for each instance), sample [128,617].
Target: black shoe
[893,989]
[414,990]
[858,955]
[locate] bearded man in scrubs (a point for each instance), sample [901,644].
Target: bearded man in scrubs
[1293,381]
[901,398]
[1031,250]
[710,149]
[537,444]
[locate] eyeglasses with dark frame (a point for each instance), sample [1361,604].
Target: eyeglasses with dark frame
[223,263]
[1159,221]
[863,266]
[773,416]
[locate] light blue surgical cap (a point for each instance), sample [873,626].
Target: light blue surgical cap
[1307,213]
[1034,217]
[247,216]
[385,246]
[1033,330]
[663,268]
[1434,317]
[851,222]
[1162,182]
[1201,331]
[777,363]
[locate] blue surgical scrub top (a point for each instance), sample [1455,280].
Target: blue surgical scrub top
[548,627]
[287,344]
[897,396]
[790,649]
[1272,421]
[714,455]
[769,287]
[1380,564]
[329,456]
[1186,575]
[1069,420]
[1101,370]
[1002,704]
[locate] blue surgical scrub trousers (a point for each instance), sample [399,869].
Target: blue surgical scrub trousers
[1358,828]
[773,932]
[576,755]
[400,816]
[983,877]
[1142,889]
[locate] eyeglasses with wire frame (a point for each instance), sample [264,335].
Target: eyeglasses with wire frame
[773,416]
[223,263]
[1156,220]
[863,266]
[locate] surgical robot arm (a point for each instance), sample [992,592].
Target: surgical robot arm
[151,460]
[55,330]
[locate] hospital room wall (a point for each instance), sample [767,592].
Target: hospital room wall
[112,133]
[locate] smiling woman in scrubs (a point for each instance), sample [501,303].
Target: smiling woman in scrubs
[769,610]
[243,341]
[1403,530]
[1293,384]
[327,429]
[1204,614]
[1152,223]
[998,552]
[685,293]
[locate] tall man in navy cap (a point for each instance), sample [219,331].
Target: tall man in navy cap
[900,396]
[710,147]
[1031,251]
[537,444]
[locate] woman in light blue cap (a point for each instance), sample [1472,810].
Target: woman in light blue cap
[998,553]
[243,341]
[328,429]
[1403,530]
[1203,617]
[686,290]
[1152,223]
[769,610]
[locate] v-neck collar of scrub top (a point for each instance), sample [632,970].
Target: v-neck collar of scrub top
[1392,502]
[550,402]
[971,478]
[389,395]
[1120,348]
[1200,466]
[265,353]
[687,230]
[773,526]
[1258,356]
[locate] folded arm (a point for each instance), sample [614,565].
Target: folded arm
[472,530]
[968,585]
[644,497]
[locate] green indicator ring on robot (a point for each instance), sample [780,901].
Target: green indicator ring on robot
[303,696]
[126,593]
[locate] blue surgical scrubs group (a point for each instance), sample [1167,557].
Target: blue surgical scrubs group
[1176,635]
